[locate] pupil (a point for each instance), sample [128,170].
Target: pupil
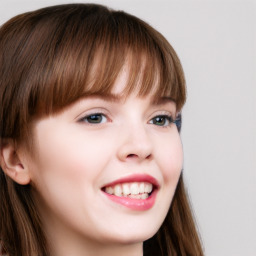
[159,120]
[95,119]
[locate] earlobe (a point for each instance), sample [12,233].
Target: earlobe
[13,165]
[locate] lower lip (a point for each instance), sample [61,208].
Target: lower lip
[134,204]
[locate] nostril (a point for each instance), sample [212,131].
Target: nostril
[137,156]
[132,155]
[149,156]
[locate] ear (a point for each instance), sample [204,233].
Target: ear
[12,163]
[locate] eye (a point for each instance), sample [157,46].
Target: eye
[96,118]
[162,120]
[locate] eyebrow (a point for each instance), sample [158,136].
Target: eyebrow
[118,98]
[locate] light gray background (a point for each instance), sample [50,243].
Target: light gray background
[216,42]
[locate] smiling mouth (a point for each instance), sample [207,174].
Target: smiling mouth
[134,190]
[137,192]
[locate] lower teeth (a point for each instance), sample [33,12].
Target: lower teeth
[139,196]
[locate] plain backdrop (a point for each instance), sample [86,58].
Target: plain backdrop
[216,42]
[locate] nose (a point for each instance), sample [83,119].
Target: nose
[135,145]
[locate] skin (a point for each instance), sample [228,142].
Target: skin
[73,159]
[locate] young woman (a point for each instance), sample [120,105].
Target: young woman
[91,156]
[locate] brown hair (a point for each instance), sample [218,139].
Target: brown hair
[52,57]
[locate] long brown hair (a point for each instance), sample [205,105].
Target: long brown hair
[52,57]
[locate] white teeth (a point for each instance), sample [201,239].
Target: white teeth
[110,190]
[126,189]
[134,189]
[142,187]
[137,190]
[140,196]
[148,187]
[134,196]
[118,190]
[144,196]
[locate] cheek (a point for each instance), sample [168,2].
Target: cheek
[170,158]
[66,172]
[64,158]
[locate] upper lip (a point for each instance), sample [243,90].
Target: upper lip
[134,178]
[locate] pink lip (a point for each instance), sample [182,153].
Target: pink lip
[135,204]
[135,178]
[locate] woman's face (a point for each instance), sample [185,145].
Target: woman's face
[105,169]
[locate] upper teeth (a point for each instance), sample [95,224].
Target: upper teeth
[126,189]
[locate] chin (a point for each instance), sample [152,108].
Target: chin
[136,234]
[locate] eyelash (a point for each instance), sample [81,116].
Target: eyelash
[85,118]
[168,118]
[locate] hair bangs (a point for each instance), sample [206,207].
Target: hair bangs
[86,57]
[63,55]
